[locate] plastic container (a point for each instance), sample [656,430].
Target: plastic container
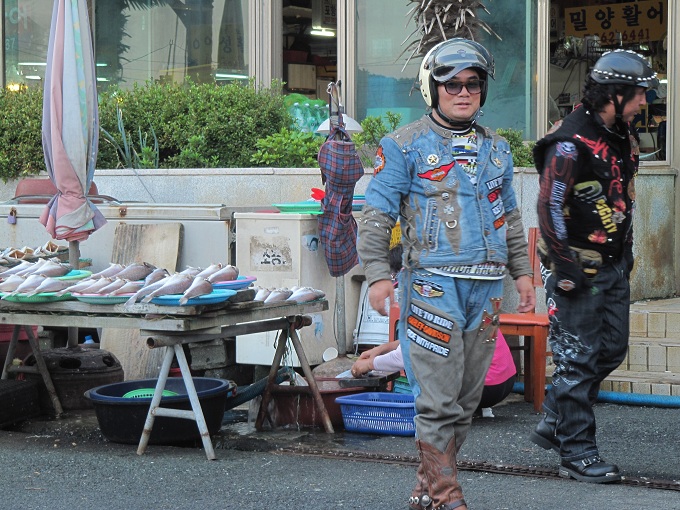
[121,419]
[401,385]
[378,413]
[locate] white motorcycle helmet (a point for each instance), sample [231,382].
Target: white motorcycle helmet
[447,59]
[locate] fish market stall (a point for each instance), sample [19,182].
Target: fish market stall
[169,325]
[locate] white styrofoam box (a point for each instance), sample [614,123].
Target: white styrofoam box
[207,236]
[282,250]
[371,328]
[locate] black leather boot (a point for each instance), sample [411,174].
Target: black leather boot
[592,469]
[544,433]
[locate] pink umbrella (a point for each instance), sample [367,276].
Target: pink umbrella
[70,129]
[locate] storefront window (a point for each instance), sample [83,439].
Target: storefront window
[26,34]
[383,86]
[170,41]
[137,41]
[580,32]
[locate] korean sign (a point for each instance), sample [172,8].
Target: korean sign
[627,23]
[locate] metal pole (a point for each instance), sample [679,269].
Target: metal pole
[340,315]
[74,262]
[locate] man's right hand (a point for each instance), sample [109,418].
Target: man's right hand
[378,292]
[570,280]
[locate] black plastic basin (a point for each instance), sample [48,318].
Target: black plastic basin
[121,419]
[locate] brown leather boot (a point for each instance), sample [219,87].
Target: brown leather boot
[439,487]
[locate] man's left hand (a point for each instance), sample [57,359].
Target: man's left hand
[527,294]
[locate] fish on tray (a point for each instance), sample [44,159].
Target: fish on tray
[147,289]
[278,295]
[32,281]
[200,286]
[112,270]
[97,285]
[128,288]
[31,267]
[176,284]
[305,294]
[262,294]
[50,284]
[116,284]
[18,268]
[210,270]
[156,275]
[79,286]
[12,282]
[136,271]
[226,274]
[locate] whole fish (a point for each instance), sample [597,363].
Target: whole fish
[128,288]
[112,270]
[200,286]
[30,269]
[116,284]
[32,281]
[226,274]
[50,284]
[278,295]
[12,282]
[146,290]
[211,269]
[156,275]
[176,284]
[305,294]
[262,294]
[136,271]
[50,268]
[18,268]
[97,285]
[191,271]
[77,287]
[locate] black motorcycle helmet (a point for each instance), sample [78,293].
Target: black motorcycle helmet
[619,72]
[624,67]
[447,59]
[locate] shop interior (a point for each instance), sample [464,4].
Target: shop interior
[581,31]
[309,46]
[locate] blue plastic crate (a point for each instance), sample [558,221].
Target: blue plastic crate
[401,385]
[378,413]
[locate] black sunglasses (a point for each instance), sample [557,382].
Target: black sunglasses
[456,87]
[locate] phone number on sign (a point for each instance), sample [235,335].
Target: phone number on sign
[630,36]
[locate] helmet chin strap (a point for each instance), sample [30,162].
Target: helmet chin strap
[618,109]
[457,125]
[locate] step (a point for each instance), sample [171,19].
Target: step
[655,319]
[652,355]
[644,383]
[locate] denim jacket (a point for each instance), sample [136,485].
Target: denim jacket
[445,219]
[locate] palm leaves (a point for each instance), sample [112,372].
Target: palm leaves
[440,20]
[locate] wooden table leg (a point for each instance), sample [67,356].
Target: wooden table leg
[10,351]
[156,400]
[42,367]
[540,347]
[307,370]
[271,379]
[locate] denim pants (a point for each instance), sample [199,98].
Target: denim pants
[589,339]
[445,349]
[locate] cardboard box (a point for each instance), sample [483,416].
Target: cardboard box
[300,77]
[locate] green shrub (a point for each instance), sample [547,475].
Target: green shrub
[374,128]
[21,152]
[521,150]
[288,148]
[193,126]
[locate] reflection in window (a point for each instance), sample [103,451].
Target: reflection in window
[383,86]
[165,41]
[27,30]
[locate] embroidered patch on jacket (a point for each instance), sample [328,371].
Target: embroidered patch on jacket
[432,159]
[437,174]
[428,330]
[434,318]
[566,150]
[427,289]
[497,162]
[499,222]
[379,161]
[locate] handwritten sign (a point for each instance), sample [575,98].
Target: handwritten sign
[627,23]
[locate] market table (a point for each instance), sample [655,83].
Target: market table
[169,327]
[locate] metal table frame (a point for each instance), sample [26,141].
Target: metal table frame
[170,327]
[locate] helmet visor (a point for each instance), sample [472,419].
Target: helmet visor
[451,60]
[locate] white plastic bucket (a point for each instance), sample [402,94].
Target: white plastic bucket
[372,328]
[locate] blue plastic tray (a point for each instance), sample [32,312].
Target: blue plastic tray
[378,413]
[216,296]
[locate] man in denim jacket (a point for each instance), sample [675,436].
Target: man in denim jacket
[449,182]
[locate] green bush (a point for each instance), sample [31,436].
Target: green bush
[21,152]
[374,128]
[521,151]
[192,125]
[288,148]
